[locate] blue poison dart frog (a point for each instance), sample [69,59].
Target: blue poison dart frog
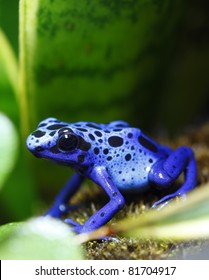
[117,157]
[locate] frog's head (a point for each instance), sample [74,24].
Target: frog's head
[59,142]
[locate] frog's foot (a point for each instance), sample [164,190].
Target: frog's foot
[164,173]
[57,211]
[76,227]
[167,199]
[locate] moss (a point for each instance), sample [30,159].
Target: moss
[126,248]
[92,198]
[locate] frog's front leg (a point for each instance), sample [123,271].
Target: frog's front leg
[102,216]
[164,173]
[60,205]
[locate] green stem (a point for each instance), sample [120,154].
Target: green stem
[27,43]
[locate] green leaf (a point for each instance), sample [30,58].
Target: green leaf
[8,62]
[18,196]
[81,58]
[179,220]
[39,238]
[187,219]
[8,148]
[8,80]
[9,20]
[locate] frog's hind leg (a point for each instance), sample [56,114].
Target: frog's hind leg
[60,205]
[165,172]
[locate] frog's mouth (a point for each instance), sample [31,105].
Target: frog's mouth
[37,155]
[58,160]
[37,152]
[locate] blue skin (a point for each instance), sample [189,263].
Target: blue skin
[117,157]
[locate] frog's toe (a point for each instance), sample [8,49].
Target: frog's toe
[58,211]
[167,199]
[68,208]
[71,222]
[160,204]
[54,212]
[76,227]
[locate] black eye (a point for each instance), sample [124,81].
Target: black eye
[67,142]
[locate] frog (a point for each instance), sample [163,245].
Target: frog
[117,157]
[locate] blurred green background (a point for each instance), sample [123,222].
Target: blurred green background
[146,62]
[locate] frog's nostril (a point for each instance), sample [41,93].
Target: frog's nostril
[28,143]
[32,145]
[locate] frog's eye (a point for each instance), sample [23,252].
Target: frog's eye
[67,142]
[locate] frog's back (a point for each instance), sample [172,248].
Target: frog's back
[125,152]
